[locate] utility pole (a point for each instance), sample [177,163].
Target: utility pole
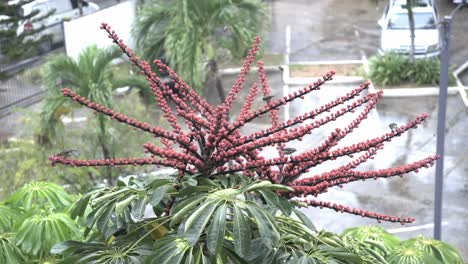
[442,110]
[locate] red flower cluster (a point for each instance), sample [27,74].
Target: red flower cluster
[212,145]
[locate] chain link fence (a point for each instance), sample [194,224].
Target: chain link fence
[22,87]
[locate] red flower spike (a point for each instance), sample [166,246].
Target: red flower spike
[214,146]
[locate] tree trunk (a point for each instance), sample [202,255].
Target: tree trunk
[106,153]
[80,7]
[409,6]
[213,73]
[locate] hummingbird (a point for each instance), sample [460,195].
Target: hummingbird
[267,98]
[393,126]
[67,153]
[289,151]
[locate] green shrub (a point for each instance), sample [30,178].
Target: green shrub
[389,69]
[394,69]
[32,220]
[419,250]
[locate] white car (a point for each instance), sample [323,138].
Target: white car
[396,35]
[63,10]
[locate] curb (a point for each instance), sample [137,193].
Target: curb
[388,92]
[237,70]
[461,86]
[415,92]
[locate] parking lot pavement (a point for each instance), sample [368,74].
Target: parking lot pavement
[343,29]
[412,195]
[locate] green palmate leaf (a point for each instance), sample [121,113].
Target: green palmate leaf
[197,222]
[8,217]
[9,252]
[241,232]
[266,225]
[138,209]
[174,250]
[304,219]
[438,249]
[277,202]
[79,208]
[121,205]
[40,194]
[216,233]
[374,233]
[181,210]
[406,255]
[266,185]
[94,252]
[38,234]
[158,195]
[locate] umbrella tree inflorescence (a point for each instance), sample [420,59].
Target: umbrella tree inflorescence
[211,145]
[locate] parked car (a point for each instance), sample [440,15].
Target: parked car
[62,10]
[396,35]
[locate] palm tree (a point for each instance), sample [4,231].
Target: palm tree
[188,34]
[89,75]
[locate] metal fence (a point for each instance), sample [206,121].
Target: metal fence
[23,85]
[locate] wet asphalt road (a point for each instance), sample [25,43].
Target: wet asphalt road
[412,195]
[343,29]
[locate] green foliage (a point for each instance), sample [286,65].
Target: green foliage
[8,217]
[444,252]
[24,161]
[227,219]
[39,233]
[90,76]
[9,252]
[32,220]
[27,43]
[393,69]
[406,255]
[374,235]
[190,33]
[100,253]
[44,194]
[412,251]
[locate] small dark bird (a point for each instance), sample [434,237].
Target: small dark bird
[280,68]
[289,151]
[67,153]
[393,126]
[267,98]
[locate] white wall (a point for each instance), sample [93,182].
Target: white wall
[85,31]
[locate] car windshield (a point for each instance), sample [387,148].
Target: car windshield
[421,21]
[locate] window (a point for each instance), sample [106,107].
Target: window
[42,8]
[75,3]
[421,21]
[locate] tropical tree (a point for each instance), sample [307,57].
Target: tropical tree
[189,34]
[89,75]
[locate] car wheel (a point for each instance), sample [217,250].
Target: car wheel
[45,46]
